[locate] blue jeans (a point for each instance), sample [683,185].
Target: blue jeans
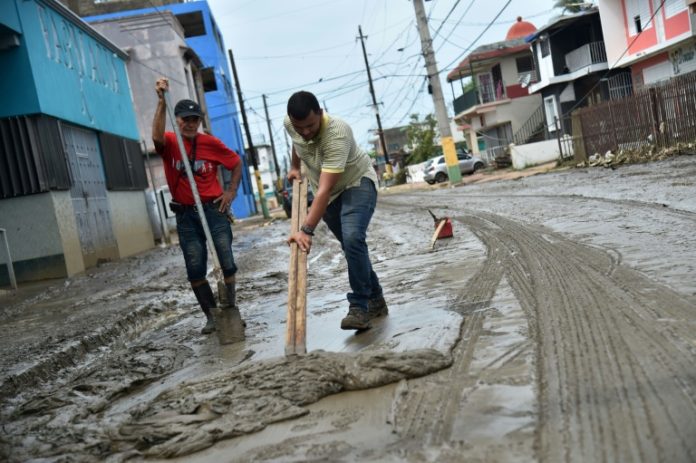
[193,243]
[348,217]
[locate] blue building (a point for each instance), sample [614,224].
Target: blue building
[71,169]
[203,36]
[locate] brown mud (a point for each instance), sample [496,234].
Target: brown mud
[557,324]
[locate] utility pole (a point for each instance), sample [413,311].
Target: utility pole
[438,99]
[270,135]
[252,150]
[380,132]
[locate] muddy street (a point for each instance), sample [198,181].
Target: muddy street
[556,325]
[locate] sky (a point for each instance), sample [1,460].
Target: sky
[282,46]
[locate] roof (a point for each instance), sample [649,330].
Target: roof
[562,21]
[520,29]
[485,54]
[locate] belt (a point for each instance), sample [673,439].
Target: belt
[178,208]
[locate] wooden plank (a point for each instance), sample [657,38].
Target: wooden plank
[301,300]
[292,273]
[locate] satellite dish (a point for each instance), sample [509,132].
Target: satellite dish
[525,79]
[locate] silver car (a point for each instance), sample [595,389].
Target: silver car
[436,168]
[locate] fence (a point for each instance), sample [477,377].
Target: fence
[661,115]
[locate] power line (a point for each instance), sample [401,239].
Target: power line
[480,35]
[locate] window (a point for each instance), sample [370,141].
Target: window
[192,23]
[524,64]
[545,47]
[637,25]
[208,78]
[638,14]
[551,112]
[674,7]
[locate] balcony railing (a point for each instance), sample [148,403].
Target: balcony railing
[480,95]
[466,101]
[590,53]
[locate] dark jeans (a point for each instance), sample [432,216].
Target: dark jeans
[348,217]
[193,243]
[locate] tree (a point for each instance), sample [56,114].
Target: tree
[421,135]
[572,6]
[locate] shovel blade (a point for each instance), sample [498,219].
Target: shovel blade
[229,326]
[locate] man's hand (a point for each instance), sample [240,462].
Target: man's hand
[303,240]
[225,200]
[294,174]
[161,86]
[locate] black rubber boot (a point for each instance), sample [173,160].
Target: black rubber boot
[206,299]
[230,292]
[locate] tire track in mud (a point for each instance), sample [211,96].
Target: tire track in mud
[614,383]
[432,406]
[615,353]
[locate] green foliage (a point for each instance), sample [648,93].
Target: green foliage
[572,6]
[421,135]
[400,177]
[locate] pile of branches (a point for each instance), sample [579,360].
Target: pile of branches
[647,153]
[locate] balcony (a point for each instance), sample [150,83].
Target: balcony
[484,93]
[466,101]
[587,55]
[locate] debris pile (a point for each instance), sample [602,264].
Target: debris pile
[640,155]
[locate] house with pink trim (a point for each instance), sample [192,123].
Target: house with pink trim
[655,39]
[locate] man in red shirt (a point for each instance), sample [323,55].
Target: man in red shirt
[205,154]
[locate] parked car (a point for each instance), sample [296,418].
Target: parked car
[286,193]
[436,168]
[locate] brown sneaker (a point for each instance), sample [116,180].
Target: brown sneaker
[357,319]
[377,307]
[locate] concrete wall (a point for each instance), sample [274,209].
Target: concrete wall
[130,222]
[69,235]
[520,109]
[221,103]
[533,154]
[155,44]
[42,235]
[416,172]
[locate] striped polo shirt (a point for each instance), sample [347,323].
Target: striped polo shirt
[333,150]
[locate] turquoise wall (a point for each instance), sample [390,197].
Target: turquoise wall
[73,76]
[8,16]
[16,79]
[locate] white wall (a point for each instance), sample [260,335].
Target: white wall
[69,235]
[533,154]
[130,222]
[612,18]
[416,172]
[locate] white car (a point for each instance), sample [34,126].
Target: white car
[436,168]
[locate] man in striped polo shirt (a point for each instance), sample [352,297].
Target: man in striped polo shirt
[345,195]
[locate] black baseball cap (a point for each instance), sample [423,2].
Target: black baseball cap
[186,108]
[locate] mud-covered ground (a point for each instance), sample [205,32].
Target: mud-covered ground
[558,324]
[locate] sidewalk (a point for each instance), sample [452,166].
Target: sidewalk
[481,176]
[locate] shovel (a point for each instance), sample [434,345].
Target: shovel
[229,325]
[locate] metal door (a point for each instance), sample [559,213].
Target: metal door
[88,193]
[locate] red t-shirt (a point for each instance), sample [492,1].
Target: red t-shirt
[210,153]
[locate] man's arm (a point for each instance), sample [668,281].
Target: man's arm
[327,181]
[228,195]
[294,171]
[160,119]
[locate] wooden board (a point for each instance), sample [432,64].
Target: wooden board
[296,332]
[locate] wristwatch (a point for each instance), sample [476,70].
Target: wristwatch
[307,230]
